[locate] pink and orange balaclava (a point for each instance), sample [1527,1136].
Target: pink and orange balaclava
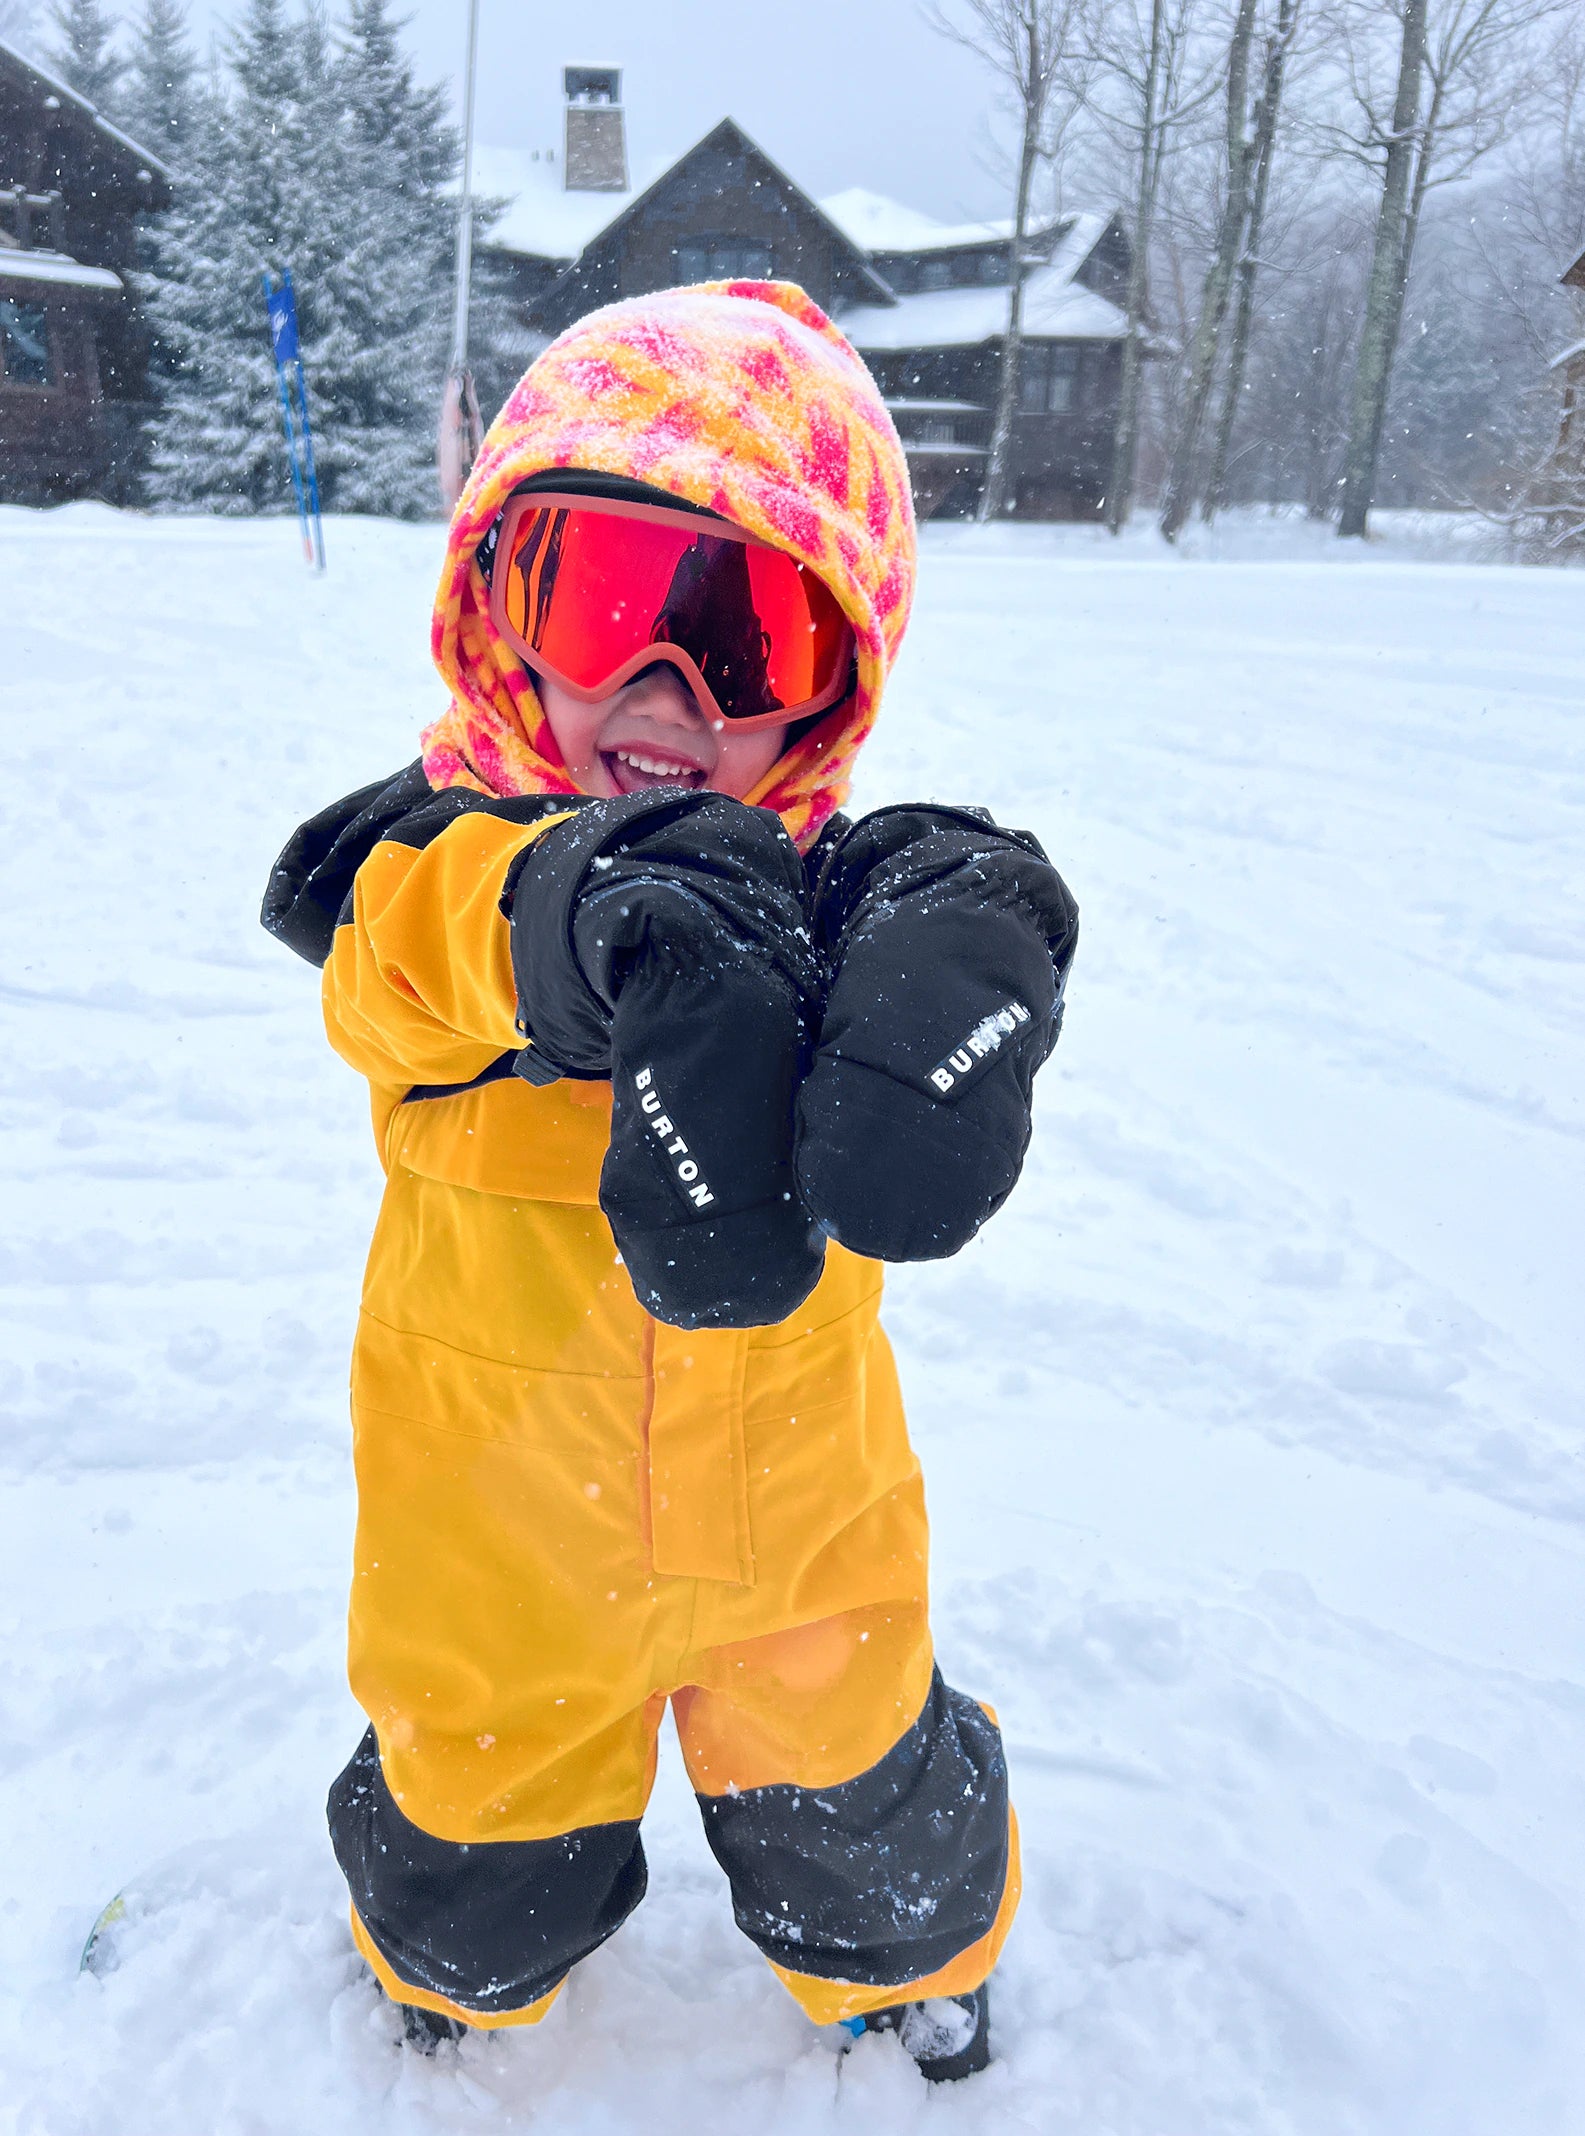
[739,396]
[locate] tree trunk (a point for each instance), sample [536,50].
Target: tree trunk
[1206,346]
[1384,294]
[993,499]
[1120,489]
[1429,128]
[1395,301]
[1248,266]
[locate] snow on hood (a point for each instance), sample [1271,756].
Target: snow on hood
[738,396]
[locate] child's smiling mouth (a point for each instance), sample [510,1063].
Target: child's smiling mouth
[636,766]
[651,733]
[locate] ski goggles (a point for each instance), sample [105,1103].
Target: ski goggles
[590,591]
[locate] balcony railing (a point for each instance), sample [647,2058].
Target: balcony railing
[27,218]
[942,426]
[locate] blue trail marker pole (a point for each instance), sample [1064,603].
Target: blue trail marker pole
[291,459]
[281,306]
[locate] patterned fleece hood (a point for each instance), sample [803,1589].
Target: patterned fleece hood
[739,396]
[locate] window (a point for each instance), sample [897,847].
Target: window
[935,274]
[1048,379]
[724,259]
[936,430]
[25,344]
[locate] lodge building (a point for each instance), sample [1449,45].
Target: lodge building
[73,360]
[925,303]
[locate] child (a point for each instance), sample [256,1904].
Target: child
[658,1077]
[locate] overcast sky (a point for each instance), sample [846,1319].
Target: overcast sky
[839,92]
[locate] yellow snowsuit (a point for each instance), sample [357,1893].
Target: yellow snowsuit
[569,1513]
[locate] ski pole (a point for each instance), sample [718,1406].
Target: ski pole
[308,439]
[287,424]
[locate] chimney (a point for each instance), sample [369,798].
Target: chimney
[595,156]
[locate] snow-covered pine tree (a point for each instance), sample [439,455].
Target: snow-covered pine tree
[332,161]
[157,102]
[160,105]
[378,345]
[251,198]
[84,52]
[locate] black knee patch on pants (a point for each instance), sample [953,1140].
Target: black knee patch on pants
[881,1879]
[493,1926]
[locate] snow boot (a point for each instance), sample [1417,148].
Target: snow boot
[426,2030]
[949,2037]
[423,2030]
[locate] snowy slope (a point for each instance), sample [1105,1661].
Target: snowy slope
[1252,1426]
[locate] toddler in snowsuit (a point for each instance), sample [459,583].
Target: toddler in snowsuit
[665,1057]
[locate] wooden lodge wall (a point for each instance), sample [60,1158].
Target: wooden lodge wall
[73,189]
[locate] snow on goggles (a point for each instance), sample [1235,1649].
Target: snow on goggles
[590,591]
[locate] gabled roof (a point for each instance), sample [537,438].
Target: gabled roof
[546,222]
[543,220]
[120,148]
[1057,306]
[963,318]
[574,278]
[877,223]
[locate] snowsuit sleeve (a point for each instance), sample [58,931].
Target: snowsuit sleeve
[418,986]
[399,902]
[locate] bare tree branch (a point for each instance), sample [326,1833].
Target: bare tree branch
[1032,47]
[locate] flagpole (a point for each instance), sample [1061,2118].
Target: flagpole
[459,320]
[460,430]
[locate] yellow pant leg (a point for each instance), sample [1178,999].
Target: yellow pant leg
[871,1862]
[566,1513]
[508,1640]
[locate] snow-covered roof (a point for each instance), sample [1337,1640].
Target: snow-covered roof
[20,266]
[1055,306]
[1076,244]
[143,156]
[876,223]
[544,218]
[1563,356]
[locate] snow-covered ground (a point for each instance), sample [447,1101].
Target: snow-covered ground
[1253,1426]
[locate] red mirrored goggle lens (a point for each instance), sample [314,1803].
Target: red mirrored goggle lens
[585,589]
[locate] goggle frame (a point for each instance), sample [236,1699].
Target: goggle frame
[519,508]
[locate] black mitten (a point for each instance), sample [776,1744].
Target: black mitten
[947,941]
[661,939]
